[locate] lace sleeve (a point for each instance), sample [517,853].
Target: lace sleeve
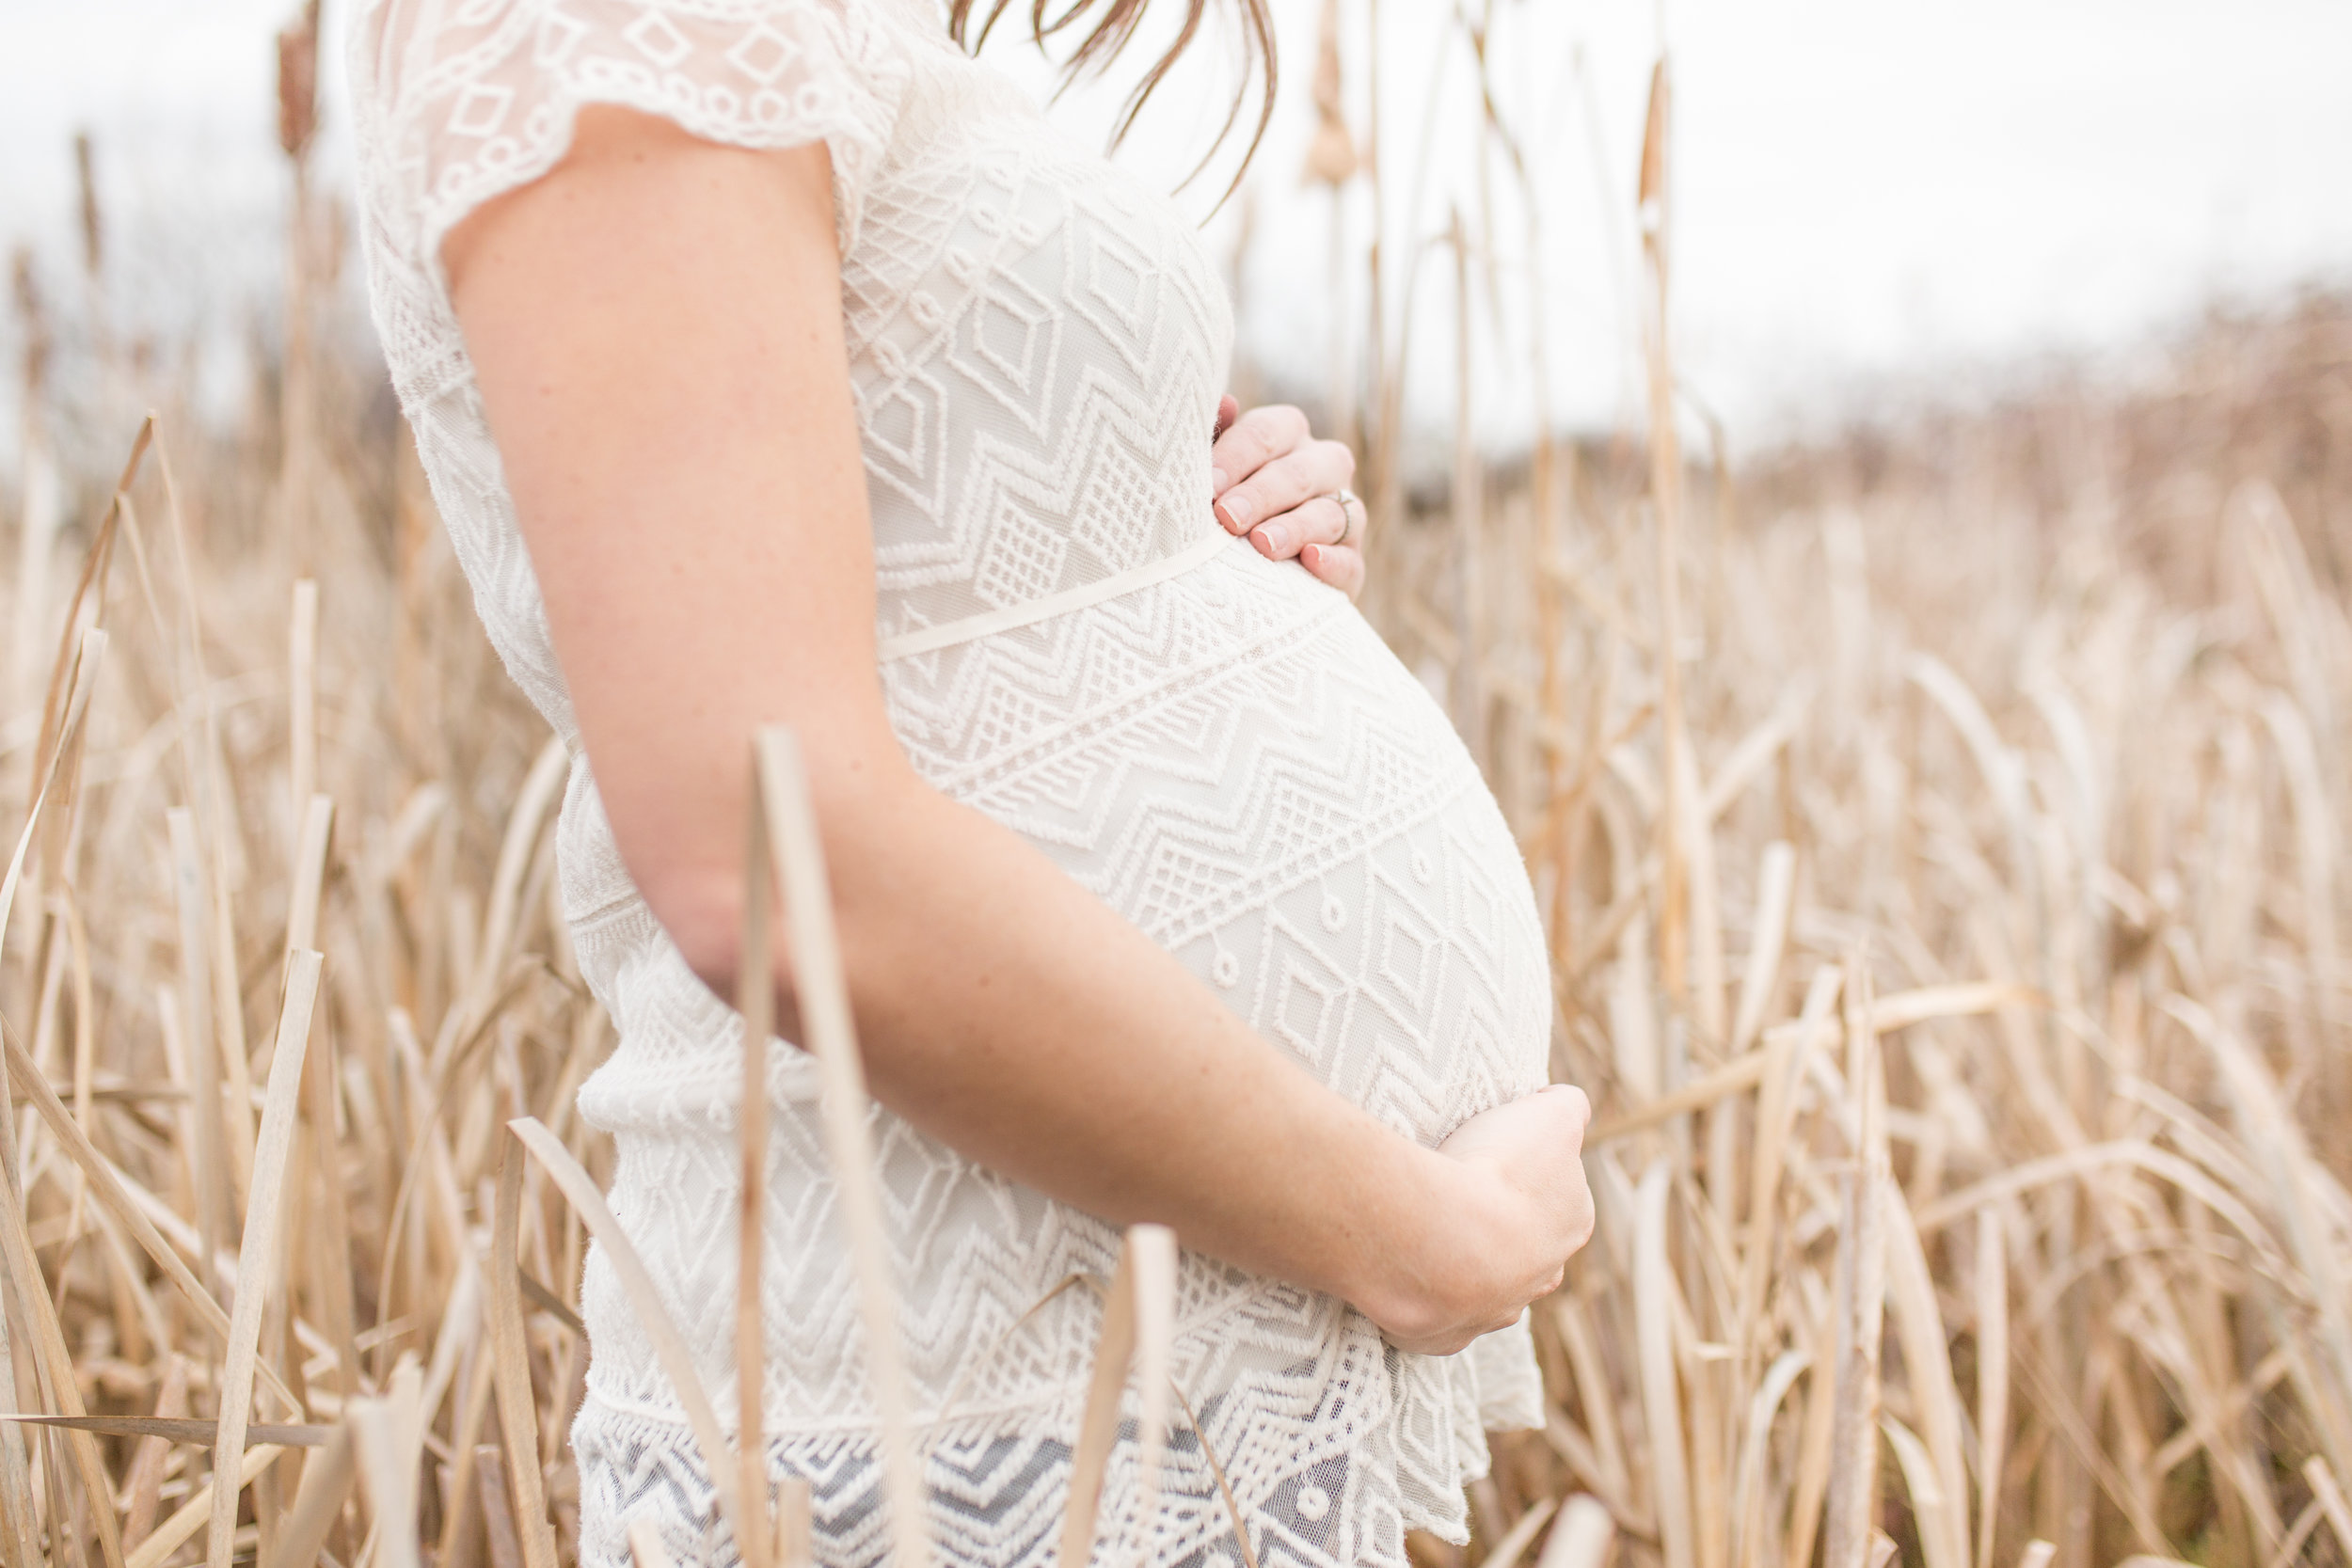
[460,101]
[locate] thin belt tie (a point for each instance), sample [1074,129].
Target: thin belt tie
[965,629]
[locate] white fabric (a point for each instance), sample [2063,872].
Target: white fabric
[1226,754]
[923,640]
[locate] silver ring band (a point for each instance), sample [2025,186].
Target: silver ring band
[1350,503]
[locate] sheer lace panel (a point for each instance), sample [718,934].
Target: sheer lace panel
[479,96]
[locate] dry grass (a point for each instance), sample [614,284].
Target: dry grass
[1939,831]
[2016,776]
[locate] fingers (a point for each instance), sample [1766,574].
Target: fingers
[1581,1105]
[1581,1224]
[1309,471]
[1320,519]
[1523,1213]
[1271,482]
[1341,565]
[1228,410]
[1250,443]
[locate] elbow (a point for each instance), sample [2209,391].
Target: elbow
[699,902]
[702,917]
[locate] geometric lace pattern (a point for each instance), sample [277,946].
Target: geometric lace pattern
[1228,756]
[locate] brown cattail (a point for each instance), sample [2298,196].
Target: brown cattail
[298,83]
[35,317]
[93,230]
[1651,195]
[1331,156]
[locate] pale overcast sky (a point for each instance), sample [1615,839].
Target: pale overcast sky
[1866,190]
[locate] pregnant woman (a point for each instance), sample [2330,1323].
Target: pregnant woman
[778,362]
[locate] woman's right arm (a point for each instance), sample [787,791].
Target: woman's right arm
[656,328]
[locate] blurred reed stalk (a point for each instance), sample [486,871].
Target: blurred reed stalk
[297,125]
[39,507]
[1331,162]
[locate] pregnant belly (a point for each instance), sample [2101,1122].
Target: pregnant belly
[1237,764]
[1233,761]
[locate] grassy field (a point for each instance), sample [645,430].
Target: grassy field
[1939,829]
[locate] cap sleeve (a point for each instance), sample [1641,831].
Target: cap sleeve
[464,100]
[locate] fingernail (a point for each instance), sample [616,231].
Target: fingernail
[1263,539]
[1310,557]
[1224,518]
[1237,510]
[1278,539]
[1217,481]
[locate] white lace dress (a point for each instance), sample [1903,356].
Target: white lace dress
[1216,745]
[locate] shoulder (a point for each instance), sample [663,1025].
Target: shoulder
[455,102]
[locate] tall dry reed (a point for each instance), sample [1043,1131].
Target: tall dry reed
[1940,851]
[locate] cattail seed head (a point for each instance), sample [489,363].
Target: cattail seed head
[94,227]
[35,317]
[1331,156]
[298,83]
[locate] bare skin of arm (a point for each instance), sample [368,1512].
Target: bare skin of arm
[656,332]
